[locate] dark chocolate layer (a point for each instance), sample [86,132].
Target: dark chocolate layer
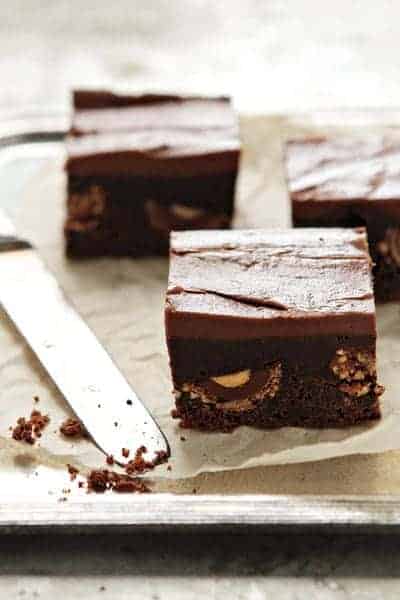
[152,136]
[345,169]
[276,283]
[199,359]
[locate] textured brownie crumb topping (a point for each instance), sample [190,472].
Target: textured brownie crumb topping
[389,247]
[28,430]
[239,391]
[87,204]
[72,428]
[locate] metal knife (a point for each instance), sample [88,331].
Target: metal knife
[80,367]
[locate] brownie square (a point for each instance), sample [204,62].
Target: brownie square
[140,166]
[348,182]
[271,328]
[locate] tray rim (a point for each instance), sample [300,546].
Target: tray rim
[182,512]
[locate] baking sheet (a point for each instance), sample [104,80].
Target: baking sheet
[122,301]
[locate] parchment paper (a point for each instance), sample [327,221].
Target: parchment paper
[122,300]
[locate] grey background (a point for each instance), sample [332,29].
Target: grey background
[272,56]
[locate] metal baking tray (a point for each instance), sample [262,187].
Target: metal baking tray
[160,511]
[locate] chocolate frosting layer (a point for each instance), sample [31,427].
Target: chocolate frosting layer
[344,168]
[259,283]
[152,135]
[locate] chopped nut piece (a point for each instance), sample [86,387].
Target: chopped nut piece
[356,369]
[353,365]
[187,213]
[233,380]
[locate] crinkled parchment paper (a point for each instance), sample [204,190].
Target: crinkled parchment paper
[122,300]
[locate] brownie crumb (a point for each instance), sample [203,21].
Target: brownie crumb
[169,468]
[99,481]
[72,428]
[125,452]
[183,439]
[128,485]
[36,399]
[139,464]
[29,430]
[73,472]
[110,459]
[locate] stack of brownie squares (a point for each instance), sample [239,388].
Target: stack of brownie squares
[264,328]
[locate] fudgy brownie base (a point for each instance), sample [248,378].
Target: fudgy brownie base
[133,216]
[340,392]
[305,403]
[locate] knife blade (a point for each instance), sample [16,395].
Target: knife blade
[82,370]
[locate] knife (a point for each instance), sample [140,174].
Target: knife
[82,370]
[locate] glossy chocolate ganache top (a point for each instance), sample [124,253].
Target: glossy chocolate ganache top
[152,135]
[257,283]
[344,168]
